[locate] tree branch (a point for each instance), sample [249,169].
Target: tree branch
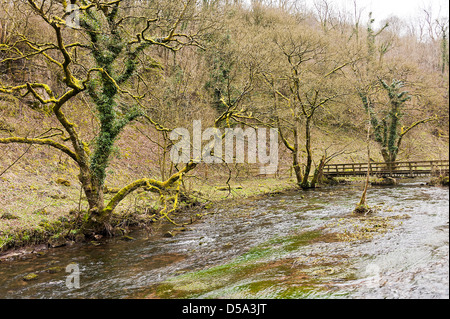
[41,141]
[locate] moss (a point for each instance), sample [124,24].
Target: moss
[64,182]
[439,181]
[9,216]
[258,252]
[6,241]
[256,261]
[362,210]
[385,181]
[57,240]
[364,228]
[110,190]
[30,277]
[302,239]
[6,127]
[193,284]
[127,238]
[42,212]
[23,237]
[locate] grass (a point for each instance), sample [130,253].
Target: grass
[217,190]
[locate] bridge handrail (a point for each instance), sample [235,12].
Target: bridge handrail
[383,166]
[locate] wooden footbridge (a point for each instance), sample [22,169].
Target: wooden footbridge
[397,169]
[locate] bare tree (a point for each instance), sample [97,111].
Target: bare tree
[301,86]
[111,50]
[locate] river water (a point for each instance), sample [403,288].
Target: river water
[304,244]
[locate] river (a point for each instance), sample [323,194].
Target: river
[300,244]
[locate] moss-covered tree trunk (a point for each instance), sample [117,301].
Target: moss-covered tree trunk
[296,155]
[297,168]
[305,182]
[318,172]
[93,189]
[387,132]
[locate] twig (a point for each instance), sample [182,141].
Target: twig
[26,151]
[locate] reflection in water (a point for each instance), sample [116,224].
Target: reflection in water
[289,246]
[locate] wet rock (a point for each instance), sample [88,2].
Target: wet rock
[54,270]
[9,256]
[363,210]
[57,241]
[174,232]
[79,238]
[169,234]
[385,181]
[40,250]
[30,277]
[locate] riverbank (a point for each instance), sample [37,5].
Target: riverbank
[29,233]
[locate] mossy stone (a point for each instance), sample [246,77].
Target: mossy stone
[57,241]
[54,270]
[30,277]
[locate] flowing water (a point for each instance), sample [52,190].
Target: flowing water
[293,245]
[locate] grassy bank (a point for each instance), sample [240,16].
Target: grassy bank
[50,214]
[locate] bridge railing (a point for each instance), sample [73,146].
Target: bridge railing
[411,168]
